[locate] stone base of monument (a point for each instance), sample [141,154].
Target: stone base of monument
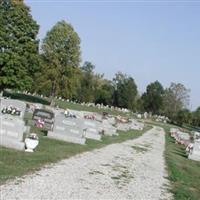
[11,143]
[92,136]
[66,138]
[109,131]
[194,157]
[195,153]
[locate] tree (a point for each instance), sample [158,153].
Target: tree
[196,117]
[60,61]
[153,98]
[139,104]
[86,93]
[18,46]
[183,116]
[104,93]
[125,91]
[176,98]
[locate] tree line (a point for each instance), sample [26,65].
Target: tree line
[52,67]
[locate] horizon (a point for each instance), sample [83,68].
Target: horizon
[161,39]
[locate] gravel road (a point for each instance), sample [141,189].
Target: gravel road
[134,169]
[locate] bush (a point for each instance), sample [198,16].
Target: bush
[25,97]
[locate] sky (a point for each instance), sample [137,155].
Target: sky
[149,40]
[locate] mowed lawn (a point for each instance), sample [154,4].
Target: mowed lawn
[16,163]
[184,174]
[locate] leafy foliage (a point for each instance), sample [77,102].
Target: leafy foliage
[153,98]
[60,61]
[18,46]
[125,91]
[176,98]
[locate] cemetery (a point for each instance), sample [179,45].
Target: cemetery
[72,131]
[66,125]
[68,137]
[191,141]
[88,114]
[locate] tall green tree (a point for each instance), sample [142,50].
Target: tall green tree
[18,46]
[183,116]
[86,91]
[176,98]
[196,117]
[153,97]
[104,92]
[125,91]
[60,53]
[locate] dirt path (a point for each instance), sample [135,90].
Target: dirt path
[131,170]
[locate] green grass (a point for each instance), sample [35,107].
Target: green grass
[16,163]
[184,174]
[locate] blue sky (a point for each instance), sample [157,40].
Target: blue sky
[149,40]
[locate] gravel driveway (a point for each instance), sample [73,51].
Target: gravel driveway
[134,169]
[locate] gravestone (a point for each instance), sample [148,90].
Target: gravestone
[67,137]
[12,127]
[92,133]
[66,129]
[108,129]
[15,103]
[11,143]
[69,122]
[195,153]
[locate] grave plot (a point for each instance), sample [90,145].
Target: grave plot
[91,130]
[132,125]
[193,147]
[108,128]
[92,116]
[11,132]
[19,105]
[195,153]
[43,118]
[92,124]
[92,133]
[123,127]
[88,128]
[12,127]
[183,138]
[136,125]
[66,129]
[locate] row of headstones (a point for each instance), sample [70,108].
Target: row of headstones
[195,154]
[12,127]
[193,147]
[79,129]
[71,130]
[158,118]
[100,106]
[133,125]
